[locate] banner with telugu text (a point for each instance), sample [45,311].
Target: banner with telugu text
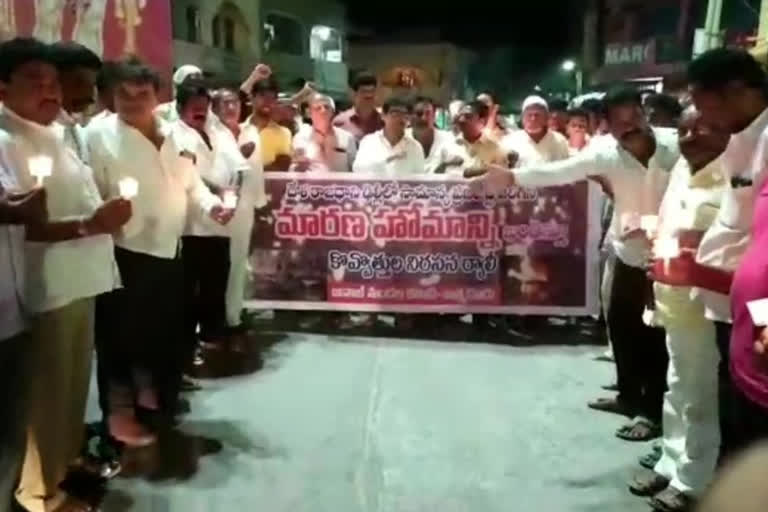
[349,242]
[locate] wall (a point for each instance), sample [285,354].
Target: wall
[234,65]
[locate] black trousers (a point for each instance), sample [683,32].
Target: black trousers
[147,347]
[640,351]
[206,273]
[725,391]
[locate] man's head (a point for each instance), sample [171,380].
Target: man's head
[364,86]
[624,113]
[105,86]
[578,124]
[423,113]
[184,72]
[558,115]
[535,115]
[727,87]
[29,80]
[78,70]
[136,89]
[594,107]
[264,97]
[470,120]
[396,113]
[663,110]
[486,99]
[700,143]
[226,104]
[193,101]
[321,110]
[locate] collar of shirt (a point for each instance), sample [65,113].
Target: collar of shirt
[29,127]
[737,158]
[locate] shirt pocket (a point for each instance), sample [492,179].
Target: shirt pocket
[737,208]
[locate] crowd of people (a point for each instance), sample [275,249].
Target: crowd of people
[125,227]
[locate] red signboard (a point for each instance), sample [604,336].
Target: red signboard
[111,28]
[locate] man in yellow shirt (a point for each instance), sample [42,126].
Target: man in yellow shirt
[273,140]
[691,429]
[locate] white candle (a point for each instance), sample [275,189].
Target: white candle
[649,224]
[666,249]
[230,199]
[40,167]
[129,188]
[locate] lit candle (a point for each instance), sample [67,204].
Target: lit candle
[40,167]
[666,249]
[129,188]
[230,199]
[649,224]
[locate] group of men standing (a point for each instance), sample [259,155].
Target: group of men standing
[686,234]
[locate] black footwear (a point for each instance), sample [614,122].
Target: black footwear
[672,500]
[648,483]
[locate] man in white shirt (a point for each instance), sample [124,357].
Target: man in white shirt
[473,146]
[205,246]
[438,146]
[16,210]
[168,111]
[322,147]
[636,167]
[728,87]
[391,152]
[59,299]
[536,143]
[149,351]
[227,107]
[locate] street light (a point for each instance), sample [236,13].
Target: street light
[570,66]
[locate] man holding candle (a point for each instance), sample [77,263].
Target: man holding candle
[147,358]
[691,429]
[77,234]
[636,167]
[730,88]
[206,244]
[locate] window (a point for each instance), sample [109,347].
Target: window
[283,34]
[229,34]
[216,29]
[325,43]
[193,24]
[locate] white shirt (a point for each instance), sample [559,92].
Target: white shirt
[168,183]
[637,191]
[551,148]
[725,243]
[254,184]
[11,265]
[443,150]
[73,134]
[338,158]
[59,273]
[220,164]
[377,156]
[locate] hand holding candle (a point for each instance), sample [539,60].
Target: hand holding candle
[666,249]
[229,199]
[129,188]
[40,167]
[649,224]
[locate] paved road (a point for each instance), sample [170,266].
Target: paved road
[384,425]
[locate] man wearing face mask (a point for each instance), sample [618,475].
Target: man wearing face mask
[636,167]
[691,429]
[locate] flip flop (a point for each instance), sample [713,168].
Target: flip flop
[672,500]
[639,430]
[650,460]
[648,483]
[612,405]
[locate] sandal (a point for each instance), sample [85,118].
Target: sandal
[650,460]
[672,500]
[648,483]
[639,430]
[612,405]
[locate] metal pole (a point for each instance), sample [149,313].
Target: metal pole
[580,80]
[712,25]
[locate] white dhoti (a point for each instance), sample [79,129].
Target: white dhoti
[691,441]
[242,225]
[48,19]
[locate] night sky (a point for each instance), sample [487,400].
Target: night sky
[516,41]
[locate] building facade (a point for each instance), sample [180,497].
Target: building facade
[650,42]
[300,40]
[436,70]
